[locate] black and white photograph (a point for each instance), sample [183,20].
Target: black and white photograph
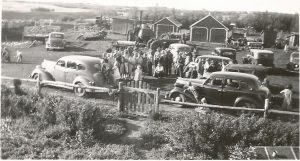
[150,80]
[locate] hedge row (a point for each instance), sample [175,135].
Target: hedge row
[54,127]
[215,136]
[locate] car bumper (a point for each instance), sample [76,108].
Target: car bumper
[55,47]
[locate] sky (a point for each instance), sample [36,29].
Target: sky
[283,6]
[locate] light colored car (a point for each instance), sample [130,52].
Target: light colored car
[176,48]
[263,57]
[79,70]
[55,40]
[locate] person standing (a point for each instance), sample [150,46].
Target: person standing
[287,97]
[169,62]
[19,56]
[138,74]
[179,65]
[157,56]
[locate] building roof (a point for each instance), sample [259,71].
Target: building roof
[174,21]
[207,17]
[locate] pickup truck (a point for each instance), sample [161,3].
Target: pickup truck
[55,40]
[74,69]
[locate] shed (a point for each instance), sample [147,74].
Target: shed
[208,29]
[121,25]
[268,38]
[165,25]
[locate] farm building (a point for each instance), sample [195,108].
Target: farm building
[165,25]
[121,25]
[208,29]
[268,38]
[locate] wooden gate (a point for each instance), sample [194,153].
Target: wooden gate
[136,97]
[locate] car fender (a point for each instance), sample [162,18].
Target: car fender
[245,98]
[85,81]
[81,79]
[187,95]
[44,74]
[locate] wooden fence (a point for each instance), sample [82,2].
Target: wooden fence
[266,109]
[137,97]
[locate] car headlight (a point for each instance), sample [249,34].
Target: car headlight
[92,83]
[296,65]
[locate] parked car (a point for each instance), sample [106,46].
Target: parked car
[226,52]
[176,48]
[260,71]
[293,65]
[55,41]
[80,70]
[222,88]
[262,57]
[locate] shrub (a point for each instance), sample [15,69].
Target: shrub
[217,136]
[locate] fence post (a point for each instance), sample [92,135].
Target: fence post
[266,108]
[121,99]
[38,85]
[156,110]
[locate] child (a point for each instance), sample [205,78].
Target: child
[158,71]
[287,100]
[19,56]
[138,75]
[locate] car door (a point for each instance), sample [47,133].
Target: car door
[230,91]
[212,90]
[59,71]
[71,71]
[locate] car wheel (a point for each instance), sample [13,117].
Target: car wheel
[246,104]
[79,91]
[36,76]
[178,97]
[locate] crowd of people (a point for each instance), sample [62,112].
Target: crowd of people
[133,63]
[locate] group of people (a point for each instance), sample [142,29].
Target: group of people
[5,55]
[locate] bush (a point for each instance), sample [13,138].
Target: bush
[216,136]
[53,126]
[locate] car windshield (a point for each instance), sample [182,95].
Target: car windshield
[57,35]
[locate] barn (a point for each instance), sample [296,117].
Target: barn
[208,29]
[165,25]
[121,25]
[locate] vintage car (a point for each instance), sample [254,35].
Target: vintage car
[176,48]
[260,57]
[222,88]
[55,40]
[226,52]
[260,71]
[80,70]
[293,65]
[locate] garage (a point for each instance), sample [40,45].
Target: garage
[166,25]
[208,29]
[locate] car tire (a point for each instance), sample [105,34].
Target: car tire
[178,97]
[79,91]
[246,104]
[35,76]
